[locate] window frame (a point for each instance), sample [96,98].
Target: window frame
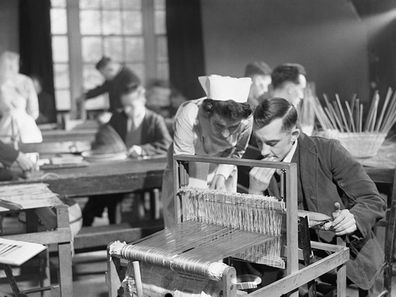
[74,37]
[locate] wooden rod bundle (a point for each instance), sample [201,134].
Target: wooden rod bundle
[333,116]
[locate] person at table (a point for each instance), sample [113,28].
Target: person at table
[288,82]
[218,125]
[143,134]
[18,103]
[117,77]
[260,73]
[13,163]
[46,101]
[327,174]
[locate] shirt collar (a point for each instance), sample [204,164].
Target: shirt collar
[290,154]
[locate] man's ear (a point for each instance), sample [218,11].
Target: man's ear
[295,134]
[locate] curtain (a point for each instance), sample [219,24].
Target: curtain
[185,46]
[35,47]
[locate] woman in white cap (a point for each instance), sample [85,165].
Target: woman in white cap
[218,125]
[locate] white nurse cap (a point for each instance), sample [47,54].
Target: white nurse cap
[224,88]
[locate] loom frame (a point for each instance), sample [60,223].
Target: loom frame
[295,277]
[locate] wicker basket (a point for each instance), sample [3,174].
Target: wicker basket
[360,145]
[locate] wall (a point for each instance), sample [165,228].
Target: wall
[9,25]
[326,36]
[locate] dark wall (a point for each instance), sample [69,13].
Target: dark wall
[326,36]
[9,25]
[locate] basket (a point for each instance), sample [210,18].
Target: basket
[360,145]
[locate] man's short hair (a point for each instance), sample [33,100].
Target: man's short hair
[275,108]
[130,88]
[257,68]
[102,62]
[288,72]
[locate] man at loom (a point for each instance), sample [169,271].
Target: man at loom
[135,129]
[218,125]
[326,174]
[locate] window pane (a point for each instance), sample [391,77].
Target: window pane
[138,69]
[162,49]
[61,73]
[160,27]
[84,4]
[60,51]
[111,22]
[90,22]
[134,49]
[113,48]
[163,71]
[112,4]
[62,99]
[58,21]
[92,49]
[58,3]
[92,77]
[159,4]
[132,4]
[132,22]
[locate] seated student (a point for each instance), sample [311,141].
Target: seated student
[163,98]
[260,73]
[143,132]
[327,174]
[9,157]
[288,82]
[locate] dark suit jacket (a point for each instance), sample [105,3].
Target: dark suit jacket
[155,137]
[329,174]
[114,87]
[8,155]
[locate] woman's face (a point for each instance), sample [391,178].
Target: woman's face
[223,127]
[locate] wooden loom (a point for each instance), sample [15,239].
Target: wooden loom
[186,261]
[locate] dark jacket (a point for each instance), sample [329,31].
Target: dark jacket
[155,139]
[114,87]
[328,174]
[8,155]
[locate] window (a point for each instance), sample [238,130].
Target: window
[131,32]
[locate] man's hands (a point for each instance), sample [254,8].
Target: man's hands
[344,222]
[218,183]
[23,162]
[259,178]
[135,151]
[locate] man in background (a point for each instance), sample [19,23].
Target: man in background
[117,77]
[140,131]
[260,73]
[288,82]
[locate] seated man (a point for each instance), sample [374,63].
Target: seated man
[9,157]
[260,73]
[288,82]
[143,132]
[326,174]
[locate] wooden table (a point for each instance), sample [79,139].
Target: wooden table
[121,176]
[381,167]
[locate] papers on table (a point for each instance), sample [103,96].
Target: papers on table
[15,252]
[27,196]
